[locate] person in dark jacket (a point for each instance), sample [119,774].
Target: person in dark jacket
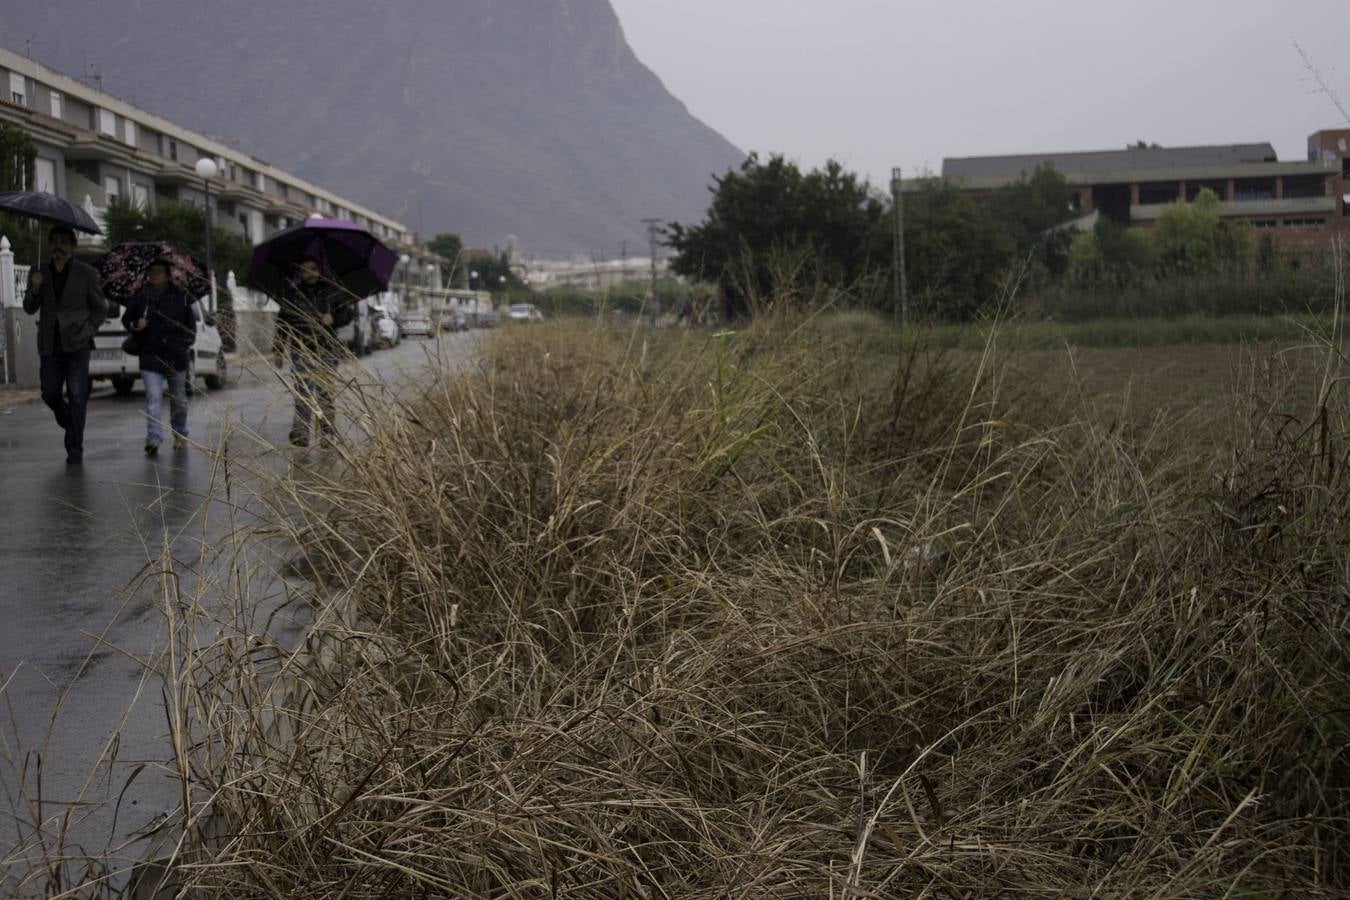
[67,295]
[162,317]
[307,331]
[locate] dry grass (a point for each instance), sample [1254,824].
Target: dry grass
[791,613]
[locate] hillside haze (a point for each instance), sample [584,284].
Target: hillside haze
[485,117]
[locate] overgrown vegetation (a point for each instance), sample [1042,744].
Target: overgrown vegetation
[795,611]
[774,231]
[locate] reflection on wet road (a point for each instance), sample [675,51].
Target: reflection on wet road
[74,542]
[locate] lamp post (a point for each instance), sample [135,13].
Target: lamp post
[206,169]
[473,280]
[404,260]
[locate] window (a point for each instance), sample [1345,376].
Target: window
[112,186]
[18,91]
[1345,166]
[46,175]
[1304,223]
[1255,189]
[107,123]
[140,196]
[1265,223]
[171,149]
[1165,192]
[58,105]
[260,182]
[129,132]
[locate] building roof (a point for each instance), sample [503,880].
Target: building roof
[1101,162]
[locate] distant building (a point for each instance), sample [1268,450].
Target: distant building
[1301,204]
[93,147]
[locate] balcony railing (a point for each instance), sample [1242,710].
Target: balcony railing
[1148,212]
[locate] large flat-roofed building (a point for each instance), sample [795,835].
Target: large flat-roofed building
[1302,202]
[93,147]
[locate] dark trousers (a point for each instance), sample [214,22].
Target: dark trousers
[71,372]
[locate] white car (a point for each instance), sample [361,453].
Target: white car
[386,332]
[356,334]
[107,362]
[416,323]
[524,312]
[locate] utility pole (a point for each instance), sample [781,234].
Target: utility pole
[899,290]
[653,226]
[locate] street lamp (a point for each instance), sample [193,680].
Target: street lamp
[473,280]
[206,170]
[405,259]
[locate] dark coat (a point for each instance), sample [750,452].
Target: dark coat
[170,329]
[75,316]
[300,319]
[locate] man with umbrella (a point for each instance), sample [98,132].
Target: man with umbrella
[311,312]
[68,300]
[162,318]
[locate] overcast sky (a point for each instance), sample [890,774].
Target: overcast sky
[876,83]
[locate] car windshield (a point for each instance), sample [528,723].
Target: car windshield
[520,307]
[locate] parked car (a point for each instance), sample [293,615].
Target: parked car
[487,319]
[416,323]
[454,320]
[107,362]
[356,334]
[385,330]
[524,312]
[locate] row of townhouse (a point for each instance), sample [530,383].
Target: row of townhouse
[93,147]
[1303,204]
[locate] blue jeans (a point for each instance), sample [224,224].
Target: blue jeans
[315,384]
[154,404]
[71,372]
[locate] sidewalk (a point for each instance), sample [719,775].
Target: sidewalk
[11,396]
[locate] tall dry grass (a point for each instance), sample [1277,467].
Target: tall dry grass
[791,612]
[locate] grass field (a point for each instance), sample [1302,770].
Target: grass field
[803,611]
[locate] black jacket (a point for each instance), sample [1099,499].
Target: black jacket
[67,323]
[300,320]
[170,330]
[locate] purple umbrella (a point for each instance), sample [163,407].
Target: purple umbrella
[349,256]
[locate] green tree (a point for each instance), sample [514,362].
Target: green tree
[773,231]
[955,252]
[451,247]
[494,271]
[181,225]
[1110,255]
[18,161]
[1191,239]
[1029,212]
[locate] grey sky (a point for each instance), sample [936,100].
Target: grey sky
[876,83]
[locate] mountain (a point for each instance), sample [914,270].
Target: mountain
[485,117]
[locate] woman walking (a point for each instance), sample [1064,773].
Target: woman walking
[161,319]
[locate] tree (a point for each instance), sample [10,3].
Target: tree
[1191,239]
[451,247]
[1029,212]
[955,252]
[773,233]
[18,162]
[1110,255]
[492,268]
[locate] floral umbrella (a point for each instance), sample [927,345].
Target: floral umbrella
[123,269]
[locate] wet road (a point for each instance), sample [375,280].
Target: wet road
[72,539]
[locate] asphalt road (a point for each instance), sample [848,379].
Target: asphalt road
[83,713]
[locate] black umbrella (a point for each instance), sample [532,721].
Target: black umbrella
[49,208]
[351,257]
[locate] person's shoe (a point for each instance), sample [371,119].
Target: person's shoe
[179,442]
[74,457]
[151,448]
[299,439]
